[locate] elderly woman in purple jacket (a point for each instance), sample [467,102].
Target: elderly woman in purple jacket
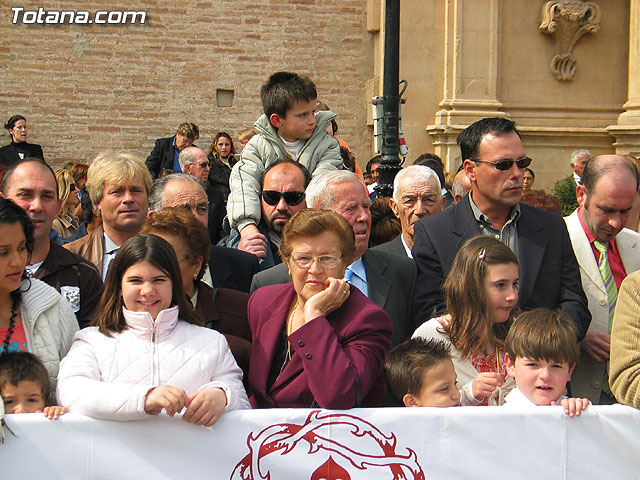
[317,341]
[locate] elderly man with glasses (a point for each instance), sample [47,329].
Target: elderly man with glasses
[194,161]
[282,195]
[494,161]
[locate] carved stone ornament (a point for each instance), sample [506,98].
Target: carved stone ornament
[568,21]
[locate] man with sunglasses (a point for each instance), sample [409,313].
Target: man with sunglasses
[282,195]
[494,161]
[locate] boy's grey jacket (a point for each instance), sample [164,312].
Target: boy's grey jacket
[320,152]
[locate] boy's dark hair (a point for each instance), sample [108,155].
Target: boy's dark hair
[470,138]
[408,362]
[283,89]
[543,334]
[18,366]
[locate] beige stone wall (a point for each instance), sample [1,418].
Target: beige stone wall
[84,88]
[465,59]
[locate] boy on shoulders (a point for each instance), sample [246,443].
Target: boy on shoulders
[289,128]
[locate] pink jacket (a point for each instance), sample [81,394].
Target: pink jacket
[109,377]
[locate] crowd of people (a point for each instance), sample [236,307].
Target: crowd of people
[197,283]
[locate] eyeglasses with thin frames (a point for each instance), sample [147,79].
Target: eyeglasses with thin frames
[304,260]
[503,165]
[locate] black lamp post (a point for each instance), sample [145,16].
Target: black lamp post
[390,162]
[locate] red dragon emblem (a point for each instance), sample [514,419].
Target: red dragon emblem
[328,446]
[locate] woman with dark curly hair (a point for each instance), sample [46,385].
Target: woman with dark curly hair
[18,148]
[222,158]
[33,315]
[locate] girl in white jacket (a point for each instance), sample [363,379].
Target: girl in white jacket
[146,352]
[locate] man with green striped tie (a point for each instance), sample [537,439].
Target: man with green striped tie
[606,252]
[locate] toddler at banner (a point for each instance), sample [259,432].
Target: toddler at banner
[542,351]
[420,373]
[145,351]
[481,293]
[24,385]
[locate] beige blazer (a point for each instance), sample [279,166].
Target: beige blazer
[587,378]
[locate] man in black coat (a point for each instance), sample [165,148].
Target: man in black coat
[494,161]
[166,150]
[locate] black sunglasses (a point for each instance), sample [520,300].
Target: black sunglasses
[72,187]
[523,162]
[271,197]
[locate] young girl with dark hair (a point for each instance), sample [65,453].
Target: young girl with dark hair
[481,291]
[145,351]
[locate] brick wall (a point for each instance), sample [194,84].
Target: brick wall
[85,88]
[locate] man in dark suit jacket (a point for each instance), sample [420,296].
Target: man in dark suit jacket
[494,161]
[395,246]
[166,150]
[390,279]
[229,268]
[416,194]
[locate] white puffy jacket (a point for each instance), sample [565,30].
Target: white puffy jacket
[49,324]
[109,377]
[320,152]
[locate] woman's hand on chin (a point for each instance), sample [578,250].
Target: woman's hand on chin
[205,407]
[331,298]
[172,399]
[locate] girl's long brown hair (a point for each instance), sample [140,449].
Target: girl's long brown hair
[471,329]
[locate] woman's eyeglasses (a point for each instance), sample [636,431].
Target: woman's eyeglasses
[271,197]
[523,162]
[72,187]
[304,260]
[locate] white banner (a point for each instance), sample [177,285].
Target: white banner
[392,443]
